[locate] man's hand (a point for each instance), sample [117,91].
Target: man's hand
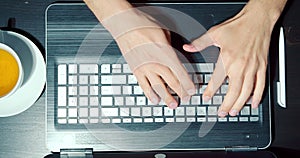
[244,44]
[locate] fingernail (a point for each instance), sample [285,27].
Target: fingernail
[186,99]
[173,105]
[206,98]
[222,113]
[254,104]
[191,91]
[233,112]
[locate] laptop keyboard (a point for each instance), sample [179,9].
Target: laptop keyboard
[109,93]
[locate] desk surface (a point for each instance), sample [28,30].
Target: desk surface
[24,134]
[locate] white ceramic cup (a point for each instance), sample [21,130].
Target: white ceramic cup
[21,73]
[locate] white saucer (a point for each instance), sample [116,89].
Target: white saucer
[31,90]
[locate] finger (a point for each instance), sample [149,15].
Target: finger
[159,87]
[244,95]
[173,82]
[148,91]
[216,80]
[184,79]
[199,44]
[234,89]
[259,87]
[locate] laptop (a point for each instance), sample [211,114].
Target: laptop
[95,107]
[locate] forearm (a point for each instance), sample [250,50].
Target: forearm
[268,8]
[107,8]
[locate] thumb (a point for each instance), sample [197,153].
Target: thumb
[199,44]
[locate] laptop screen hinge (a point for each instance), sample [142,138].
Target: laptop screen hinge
[240,148]
[76,153]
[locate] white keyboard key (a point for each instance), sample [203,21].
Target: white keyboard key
[126,68]
[135,111]
[61,113]
[116,120]
[72,121]
[217,100]
[61,96]
[72,69]
[148,120]
[83,121]
[185,102]
[190,111]
[105,120]
[129,101]
[180,119]
[201,119]
[113,79]
[140,100]
[137,90]
[127,120]
[93,79]
[195,100]
[94,121]
[201,111]
[72,101]
[105,68]
[94,112]
[254,111]
[158,119]
[212,110]
[157,111]
[62,121]
[83,101]
[132,79]
[244,119]
[204,67]
[206,102]
[110,90]
[168,111]
[146,111]
[72,112]
[211,119]
[207,78]
[109,112]
[127,90]
[224,89]
[116,68]
[222,119]
[169,119]
[124,111]
[233,119]
[245,110]
[62,74]
[94,101]
[137,120]
[72,80]
[83,112]
[119,101]
[106,101]
[83,90]
[190,119]
[179,111]
[94,90]
[83,79]
[202,89]
[72,90]
[254,119]
[88,68]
